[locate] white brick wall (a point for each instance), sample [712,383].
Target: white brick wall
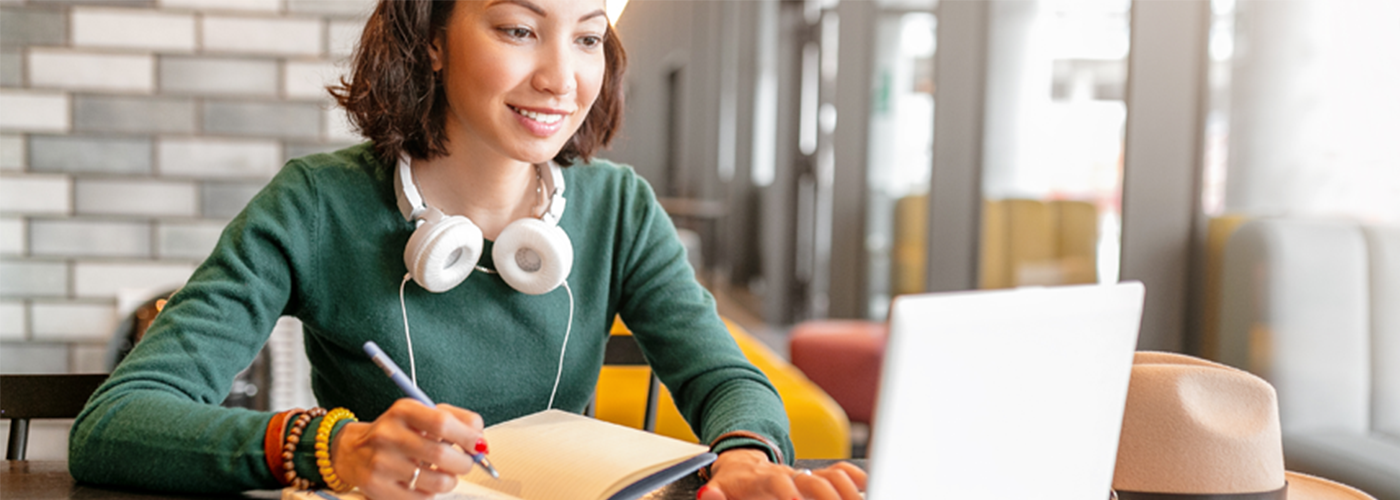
[220,5]
[102,280]
[130,131]
[219,158]
[13,240]
[309,79]
[74,70]
[133,29]
[72,321]
[90,357]
[296,37]
[34,111]
[33,278]
[12,324]
[35,194]
[218,76]
[12,155]
[187,240]
[90,238]
[344,37]
[136,197]
[338,126]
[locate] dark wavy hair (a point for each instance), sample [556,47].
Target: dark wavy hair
[394,98]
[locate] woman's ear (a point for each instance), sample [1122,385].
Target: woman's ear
[435,51]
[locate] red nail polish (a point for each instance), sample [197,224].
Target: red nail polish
[481,446]
[701,493]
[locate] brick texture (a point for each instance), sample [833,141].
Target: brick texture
[12,321]
[223,200]
[14,239]
[292,37]
[72,321]
[133,29]
[218,76]
[11,68]
[219,158]
[106,279]
[73,70]
[224,5]
[20,27]
[12,154]
[191,241]
[135,197]
[245,118]
[131,131]
[90,154]
[34,111]
[35,194]
[36,358]
[135,115]
[31,278]
[89,238]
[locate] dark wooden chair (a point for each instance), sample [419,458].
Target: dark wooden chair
[622,350]
[25,397]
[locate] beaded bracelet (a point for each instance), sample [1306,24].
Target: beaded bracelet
[290,447]
[323,447]
[272,441]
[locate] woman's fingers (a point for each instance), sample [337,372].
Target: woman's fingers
[840,481]
[814,486]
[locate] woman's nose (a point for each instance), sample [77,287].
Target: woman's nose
[555,74]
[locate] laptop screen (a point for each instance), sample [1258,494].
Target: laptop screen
[1007,394]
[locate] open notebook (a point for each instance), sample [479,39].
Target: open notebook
[556,455]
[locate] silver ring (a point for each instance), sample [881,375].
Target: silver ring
[414,482]
[802,472]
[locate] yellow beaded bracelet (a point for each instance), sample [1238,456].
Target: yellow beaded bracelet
[323,447]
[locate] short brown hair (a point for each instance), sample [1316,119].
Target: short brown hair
[394,98]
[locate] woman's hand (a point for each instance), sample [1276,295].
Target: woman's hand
[743,474]
[381,457]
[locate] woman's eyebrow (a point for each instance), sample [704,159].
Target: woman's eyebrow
[540,10]
[523,3]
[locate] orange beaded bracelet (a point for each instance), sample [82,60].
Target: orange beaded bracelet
[323,447]
[272,441]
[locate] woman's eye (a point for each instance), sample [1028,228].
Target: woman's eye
[590,41]
[516,32]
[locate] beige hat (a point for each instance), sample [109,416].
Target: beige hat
[1203,430]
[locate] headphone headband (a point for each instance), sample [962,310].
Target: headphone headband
[413,208]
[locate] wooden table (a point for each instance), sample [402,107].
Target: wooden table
[49,479]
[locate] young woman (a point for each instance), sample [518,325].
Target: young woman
[458,242]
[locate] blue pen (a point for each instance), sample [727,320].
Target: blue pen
[393,371]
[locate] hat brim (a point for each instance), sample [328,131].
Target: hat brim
[1304,487]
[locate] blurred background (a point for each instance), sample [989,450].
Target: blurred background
[820,156]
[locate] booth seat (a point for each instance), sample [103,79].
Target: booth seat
[1313,306]
[819,427]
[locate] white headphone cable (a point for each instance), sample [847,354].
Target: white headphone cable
[412,367]
[565,347]
[558,374]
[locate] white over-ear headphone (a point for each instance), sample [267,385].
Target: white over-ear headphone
[532,255]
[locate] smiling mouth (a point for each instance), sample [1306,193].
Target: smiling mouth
[545,118]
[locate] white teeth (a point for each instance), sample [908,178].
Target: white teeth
[539,117]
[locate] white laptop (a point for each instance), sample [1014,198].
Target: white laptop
[1011,394]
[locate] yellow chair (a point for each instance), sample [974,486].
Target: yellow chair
[819,427]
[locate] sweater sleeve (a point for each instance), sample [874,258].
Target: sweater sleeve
[155,423]
[716,388]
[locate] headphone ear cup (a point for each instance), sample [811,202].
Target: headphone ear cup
[442,253]
[533,256]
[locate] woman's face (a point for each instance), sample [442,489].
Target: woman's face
[520,75]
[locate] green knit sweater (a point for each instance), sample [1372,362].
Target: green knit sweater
[324,242]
